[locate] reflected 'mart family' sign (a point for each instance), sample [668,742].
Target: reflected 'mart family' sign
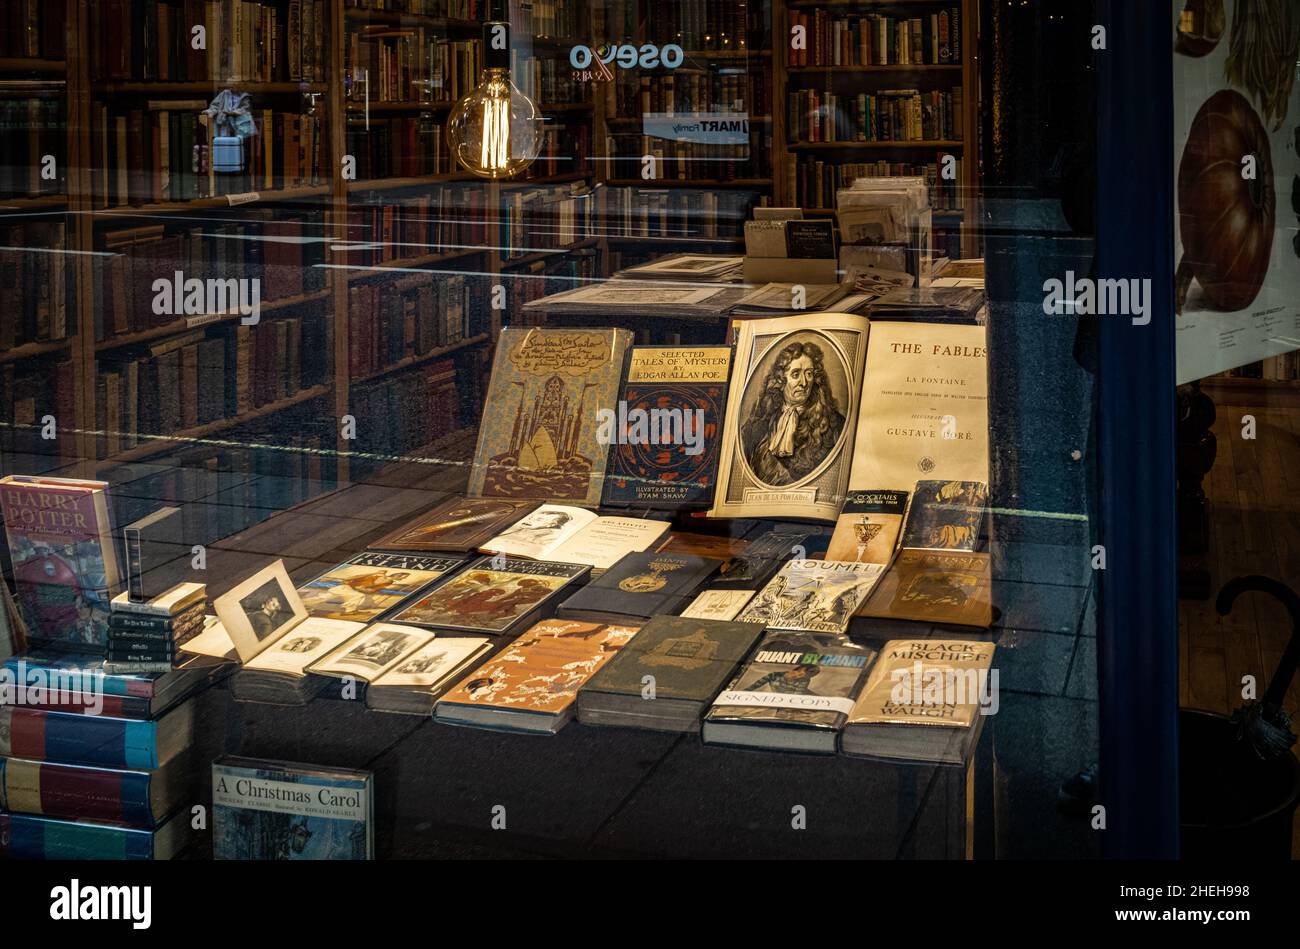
[708,128]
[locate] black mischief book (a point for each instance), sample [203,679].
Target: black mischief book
[667,675]
[638,586]
[665,433]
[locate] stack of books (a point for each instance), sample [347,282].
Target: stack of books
[144,635]
[97,766]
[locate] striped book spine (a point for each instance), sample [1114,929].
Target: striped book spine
[72,791]
[43,838]
[77,739]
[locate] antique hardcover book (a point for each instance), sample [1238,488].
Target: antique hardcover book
[371,653]
[539,442]
[178,599]
[665,435]
[794,694]
[494,595]
[762,557]
[667,675]
[371,584]
[64,563]
[84,687]
[816,596]
[924,407]
[792,408]
[868,527]
[931,586]
[457,524]
[925,700]
[95,741]
[947,515]
[639,586]
[718,604]
[68,791]
[273,810]
[574,535]
[27,837]
[414,684]
[278,674]
[148,544]
[531,685]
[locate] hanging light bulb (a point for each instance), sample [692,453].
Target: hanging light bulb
[496,130]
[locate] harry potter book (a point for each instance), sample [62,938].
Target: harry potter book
[924,407]
[495,596]
[931,586]
[816,596]
[794,694]
[667,675]
[414,684]
[639,586]
[274,810]
[868,527]
[540,440]
[457,524]
[947,515]
[64,566]
[925,700]
[573,535]
[371,584]
[532,684]
[665,434]
[792,408]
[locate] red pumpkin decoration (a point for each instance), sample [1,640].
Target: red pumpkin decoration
[1226,220]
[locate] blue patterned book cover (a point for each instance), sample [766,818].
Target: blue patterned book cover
[274,810]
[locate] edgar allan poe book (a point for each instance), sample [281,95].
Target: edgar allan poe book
[273,810]
[370,584]
[64,564]
[792,408]
[667,427]
[539,441]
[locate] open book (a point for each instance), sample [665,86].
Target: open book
[575,535]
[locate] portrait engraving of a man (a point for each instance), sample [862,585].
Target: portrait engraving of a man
[795,422]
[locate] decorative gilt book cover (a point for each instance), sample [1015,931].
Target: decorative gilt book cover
[492,595]
[924,407]
[809,679]
[457,524]
[543,669]
[539,439]
[667,427]
[818,596]
[933,586]
[643,585]
[371,584]
[688,658]
[947,515]
[791,412]
[868,527]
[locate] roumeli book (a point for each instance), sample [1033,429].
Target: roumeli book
[457,524]
[547,386]
[947,515]
[371,584]
[531,685]
[667,675]
[638,587]
[64,562]
[794,694]
[664,436]
[494,595]
[867,529]
[274,810]
[816,596]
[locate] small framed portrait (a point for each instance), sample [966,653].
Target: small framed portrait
[260,610]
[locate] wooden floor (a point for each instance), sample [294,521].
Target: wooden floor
[1254,497]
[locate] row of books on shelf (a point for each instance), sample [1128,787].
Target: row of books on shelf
[447,218]
[31,391]
[163,153]
[32,127]
[387,63]
[539,278]
[744,92]
[33,29]
[193,379]
[257,247]
[545,218]
[243,41]
[400,413]
[891,115]
[842,38]
[682,214]
[814,183]
[547,81]
[565,150]
[705,26]
[403,147]
[34,282]
[690,161]
[406,317]
[454,9]
[550,18]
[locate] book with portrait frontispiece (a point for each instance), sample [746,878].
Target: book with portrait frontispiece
[792,408]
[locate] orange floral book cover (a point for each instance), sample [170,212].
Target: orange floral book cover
[543,669]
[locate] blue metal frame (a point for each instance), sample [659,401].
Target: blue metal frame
[1137,641]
